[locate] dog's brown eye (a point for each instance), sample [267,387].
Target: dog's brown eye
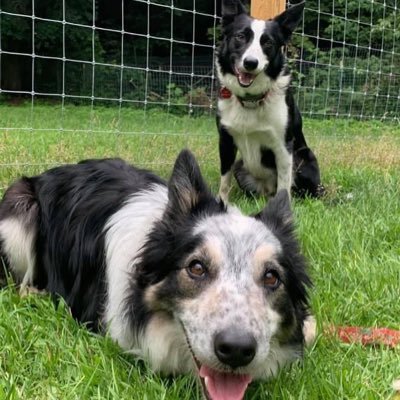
[271,279]
[240,37]
[196,270]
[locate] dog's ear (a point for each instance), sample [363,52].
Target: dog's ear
[277,214]
[186,186]
[230,9]
[289,19]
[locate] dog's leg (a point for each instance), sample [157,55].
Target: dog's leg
[227,155]
[27,290]
[284,168]
[225,186]
[310,330]
[4,272]
[27,281]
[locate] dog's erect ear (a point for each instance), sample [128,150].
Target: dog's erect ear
[289,19]
[277,214]
[186,186]
[230,9]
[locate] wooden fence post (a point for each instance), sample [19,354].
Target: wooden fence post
[266,9]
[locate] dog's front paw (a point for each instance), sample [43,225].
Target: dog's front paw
[26,290]
[223,192]
[309,330]
[225,187]
[224,196]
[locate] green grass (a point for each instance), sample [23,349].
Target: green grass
[351,239]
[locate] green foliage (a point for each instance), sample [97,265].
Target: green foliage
[175,94]
[349,53]
[17,31]
[388,27]
[348,71]
[48,41]
[342,83]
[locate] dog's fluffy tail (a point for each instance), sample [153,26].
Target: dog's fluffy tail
[19,213]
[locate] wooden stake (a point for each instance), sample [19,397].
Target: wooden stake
[266,9]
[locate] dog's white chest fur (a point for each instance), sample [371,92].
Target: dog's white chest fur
[255,128]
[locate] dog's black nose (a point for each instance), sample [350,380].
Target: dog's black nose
[235,348]
[250,63]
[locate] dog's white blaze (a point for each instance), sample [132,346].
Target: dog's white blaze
[255,50]
[126,232]
[18,245]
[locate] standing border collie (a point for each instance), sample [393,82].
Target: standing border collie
[177,277]
[256,110]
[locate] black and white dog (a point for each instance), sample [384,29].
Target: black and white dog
[175,275]
[256,110]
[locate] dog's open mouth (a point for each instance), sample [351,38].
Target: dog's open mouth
[219,385]
[245,79]
[223,385]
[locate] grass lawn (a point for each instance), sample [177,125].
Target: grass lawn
[351,239]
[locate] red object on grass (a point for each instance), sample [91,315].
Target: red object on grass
[368,336]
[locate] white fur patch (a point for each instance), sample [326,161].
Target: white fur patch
[163,345]
[396,385]
[18,245]
[126,233]
[310,330]
[255,50]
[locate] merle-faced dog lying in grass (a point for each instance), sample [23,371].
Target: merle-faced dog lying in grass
[176,276]
[256,110]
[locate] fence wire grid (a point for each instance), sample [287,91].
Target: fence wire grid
[151,55]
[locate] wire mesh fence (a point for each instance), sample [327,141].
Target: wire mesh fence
[157,55]
[345,56]
[348,60]
[89,57]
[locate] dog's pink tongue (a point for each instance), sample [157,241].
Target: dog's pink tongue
[223,386]
[245,78]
